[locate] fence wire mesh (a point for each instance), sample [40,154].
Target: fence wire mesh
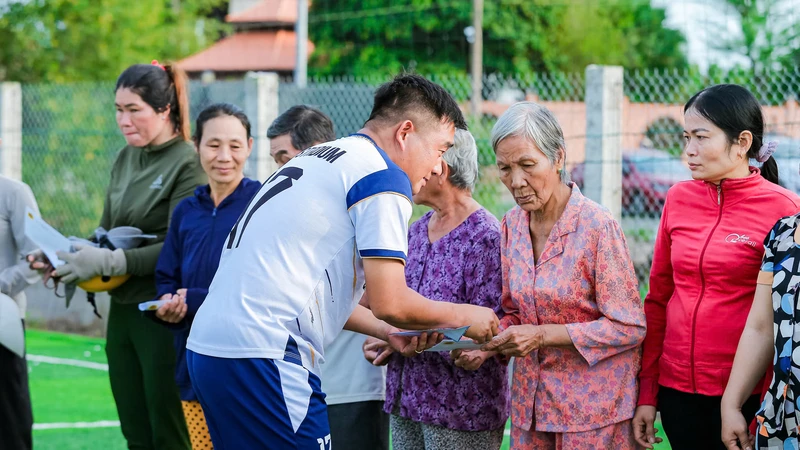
[70,138]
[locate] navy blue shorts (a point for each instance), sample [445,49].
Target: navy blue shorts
[260,403]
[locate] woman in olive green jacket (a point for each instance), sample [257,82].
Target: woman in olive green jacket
[156,170]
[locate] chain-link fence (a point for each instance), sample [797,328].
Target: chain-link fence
[70,138]
[348,101]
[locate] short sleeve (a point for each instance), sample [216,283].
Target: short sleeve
[380,208]
[767,272]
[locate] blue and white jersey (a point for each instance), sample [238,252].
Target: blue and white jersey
[291,271]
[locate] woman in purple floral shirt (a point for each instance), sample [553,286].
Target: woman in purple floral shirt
[453,256]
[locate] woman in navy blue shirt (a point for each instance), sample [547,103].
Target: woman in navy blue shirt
[199,228]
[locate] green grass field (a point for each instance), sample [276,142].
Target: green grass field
[66,398]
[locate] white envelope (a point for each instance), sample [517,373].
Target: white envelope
[47,238]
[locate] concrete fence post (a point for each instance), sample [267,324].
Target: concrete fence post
[11,130]
[603,167]
[261,106]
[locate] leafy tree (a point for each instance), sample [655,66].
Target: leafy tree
[69,40]
[767,38]
[520,36]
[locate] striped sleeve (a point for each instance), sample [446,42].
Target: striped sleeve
[380,208]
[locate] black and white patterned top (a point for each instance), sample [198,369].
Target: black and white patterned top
[781,270]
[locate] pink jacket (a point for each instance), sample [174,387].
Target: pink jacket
[585,280]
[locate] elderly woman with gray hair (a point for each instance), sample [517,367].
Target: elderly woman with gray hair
[573,316]
[453,256]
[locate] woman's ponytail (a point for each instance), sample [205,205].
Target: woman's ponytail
[179,111]
[769,170]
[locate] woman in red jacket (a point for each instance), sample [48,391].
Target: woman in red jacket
[705,265]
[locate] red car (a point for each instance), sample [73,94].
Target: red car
[647,175]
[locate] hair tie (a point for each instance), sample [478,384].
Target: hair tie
[766,151]
[155,63]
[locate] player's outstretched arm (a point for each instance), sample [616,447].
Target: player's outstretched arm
[395,303]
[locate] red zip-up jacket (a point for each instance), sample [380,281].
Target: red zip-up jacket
[706,260]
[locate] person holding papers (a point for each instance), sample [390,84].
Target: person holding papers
[453,256]
[196,235]
[573,316]
[16,418]
[155,171]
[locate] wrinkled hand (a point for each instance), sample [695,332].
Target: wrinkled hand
[735,433]
[175,310]
[470,359]
[411,346]
[643,423]
[88,261]
[482,321]
[38,261]
[517,340]
[377,351]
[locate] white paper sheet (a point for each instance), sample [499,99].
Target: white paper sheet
[47,238]
[152,305]
[452,334]
[447,345]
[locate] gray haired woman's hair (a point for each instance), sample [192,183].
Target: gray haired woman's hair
[462,159]
[538,125]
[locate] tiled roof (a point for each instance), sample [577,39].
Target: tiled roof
[271,50]
[267,11]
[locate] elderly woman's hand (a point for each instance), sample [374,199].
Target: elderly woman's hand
[518,340]
[470,359]
[643,426]
[377,351]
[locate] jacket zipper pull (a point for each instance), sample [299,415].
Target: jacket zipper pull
[719,193]
[214,213]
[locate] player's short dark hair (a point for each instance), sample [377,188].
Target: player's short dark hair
[305,125]
[410,94]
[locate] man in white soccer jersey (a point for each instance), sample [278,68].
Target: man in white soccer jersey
[325,229]
[354,388]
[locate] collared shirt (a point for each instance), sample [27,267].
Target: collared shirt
[584,279]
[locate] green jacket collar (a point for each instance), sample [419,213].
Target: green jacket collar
[155,148]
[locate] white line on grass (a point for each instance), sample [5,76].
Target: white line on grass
[67,362]
[55,426]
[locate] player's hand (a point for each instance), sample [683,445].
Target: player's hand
[470,359]
[643,426]
[174,311]
[377,351]
[412,346]
[517,340]
[482,321]
[735,434]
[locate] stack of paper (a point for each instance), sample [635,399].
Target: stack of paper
[453,339]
